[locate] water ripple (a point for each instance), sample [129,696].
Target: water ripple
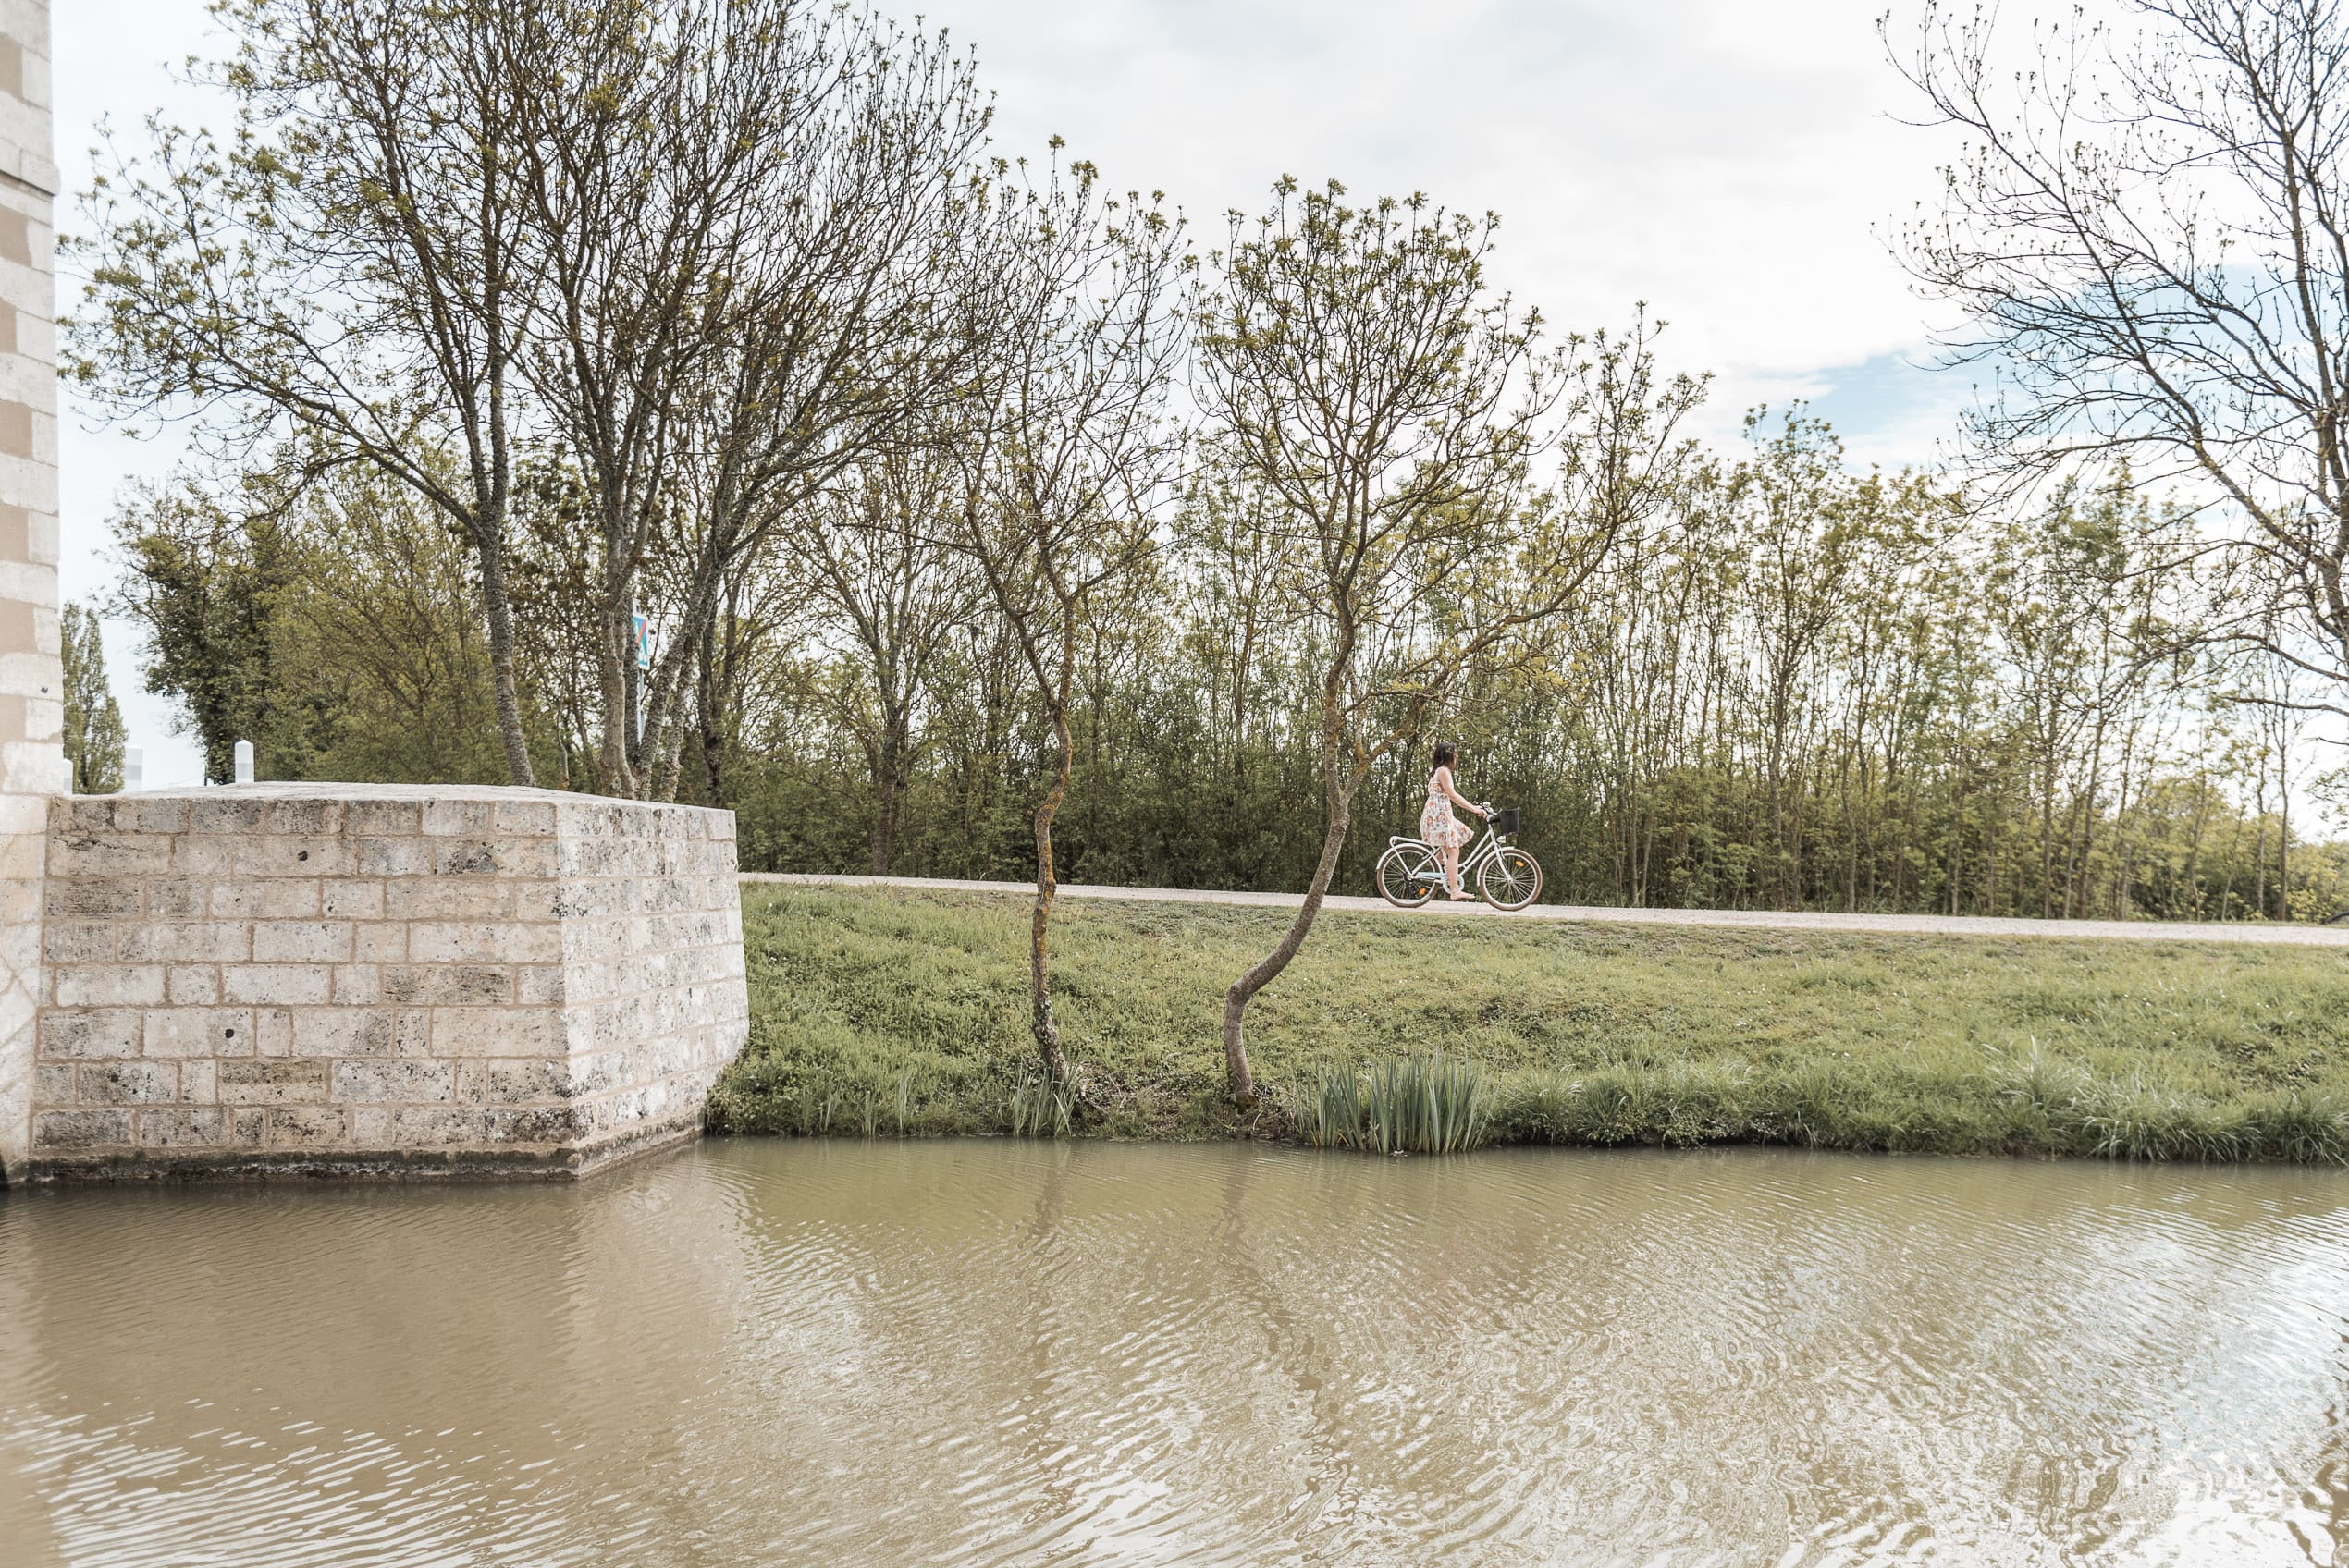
[986,1353]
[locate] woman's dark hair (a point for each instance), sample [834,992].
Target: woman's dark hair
[1447,754]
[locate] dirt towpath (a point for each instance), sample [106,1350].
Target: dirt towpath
[1762,920]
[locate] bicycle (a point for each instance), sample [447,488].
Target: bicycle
[1411,871]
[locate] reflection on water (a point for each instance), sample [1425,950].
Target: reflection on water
[774,1351]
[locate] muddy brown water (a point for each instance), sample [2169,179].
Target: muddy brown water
[772,1351]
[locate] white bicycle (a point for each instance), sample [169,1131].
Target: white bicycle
[1411,872]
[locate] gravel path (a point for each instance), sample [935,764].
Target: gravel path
[1764,920]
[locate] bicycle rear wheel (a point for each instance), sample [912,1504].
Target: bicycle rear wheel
[1408,875]
[1511,879]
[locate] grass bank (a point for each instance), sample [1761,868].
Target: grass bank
[880,1010]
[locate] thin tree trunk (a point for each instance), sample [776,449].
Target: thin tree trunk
[1048,1034]
[887,781]
[614,775]
[705,707]
[492,558]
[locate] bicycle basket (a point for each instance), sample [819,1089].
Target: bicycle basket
[1505,822]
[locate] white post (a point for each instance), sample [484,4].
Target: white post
[244,762]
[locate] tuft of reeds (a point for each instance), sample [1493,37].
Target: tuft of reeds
[1427,1104]
[1331,1117]
[1040,1109]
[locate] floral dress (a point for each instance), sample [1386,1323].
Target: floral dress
[1437,824]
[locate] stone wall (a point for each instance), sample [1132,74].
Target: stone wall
[30,761]
[363,979]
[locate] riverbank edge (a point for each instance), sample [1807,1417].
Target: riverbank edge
[875,1071]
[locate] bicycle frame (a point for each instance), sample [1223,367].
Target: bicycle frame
[1486,846]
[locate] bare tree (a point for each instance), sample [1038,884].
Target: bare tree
[2148,238]
[1066,448]
[1359,369]
[883,581]
[345,269]
[747,215]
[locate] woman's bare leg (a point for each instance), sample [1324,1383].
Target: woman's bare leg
[1451,868]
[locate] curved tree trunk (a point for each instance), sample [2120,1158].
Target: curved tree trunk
[1244,989]
[1337,792]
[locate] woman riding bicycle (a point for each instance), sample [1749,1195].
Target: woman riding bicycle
[1438,826]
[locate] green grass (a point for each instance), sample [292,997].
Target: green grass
[884,1011]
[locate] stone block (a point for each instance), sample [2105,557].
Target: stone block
[435,898]
[109,854]
[332,1031]
[78,941]
[461,984]
[176,899]
[459,1031]
[184,1129]
[201,1031]
[80,1130]
[540,984]
[191,984]
[304,818]
[383,818]
[358,985]
[313,1127]
[418,1127]
[84,815]
[301,941]
[272,1030]
[379,941]
[397,1081]
[187,941]
[107,985]
[204,858]
[506,1081]
[273,899]
[96,896]
[145,814]
[270,856]
[483,941]
[522,819]
[93,1035]
[265,1082]
[236,815]
[285,985]
[127,1082]
[351,900]
[392,859]
[447,819]
[494,857]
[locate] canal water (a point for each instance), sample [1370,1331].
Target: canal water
[772,1351]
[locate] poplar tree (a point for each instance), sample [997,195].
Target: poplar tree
[93,729]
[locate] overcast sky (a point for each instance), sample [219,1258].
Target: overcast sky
[1731,163]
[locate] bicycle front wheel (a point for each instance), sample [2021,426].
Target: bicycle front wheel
[1408,875]
[1511,879]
